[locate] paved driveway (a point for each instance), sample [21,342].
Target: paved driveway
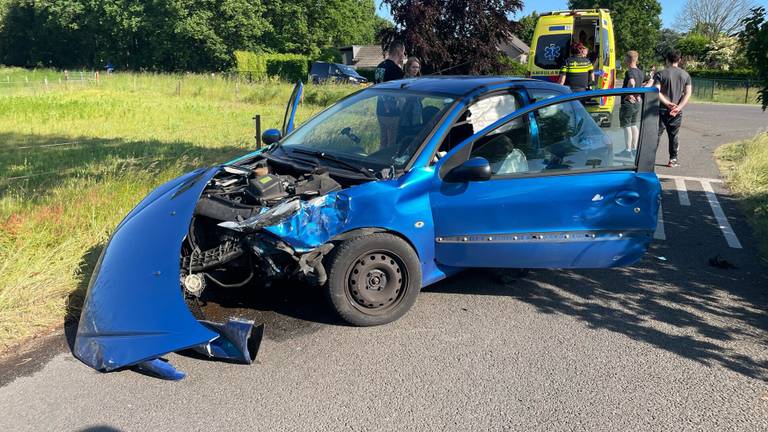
[671,343]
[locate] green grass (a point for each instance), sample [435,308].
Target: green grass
[76,156]
[745,166]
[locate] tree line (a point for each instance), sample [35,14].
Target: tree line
[176,35]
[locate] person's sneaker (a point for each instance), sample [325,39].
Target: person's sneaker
[624,154]
[673,163]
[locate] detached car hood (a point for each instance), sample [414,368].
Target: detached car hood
[134,310]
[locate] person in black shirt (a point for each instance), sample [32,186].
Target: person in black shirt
[577,72]
[629,114]
[675,90]
[387,107]
[391,68]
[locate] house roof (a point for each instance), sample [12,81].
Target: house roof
[365,56]
[518,44]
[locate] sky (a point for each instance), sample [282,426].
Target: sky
[669,8]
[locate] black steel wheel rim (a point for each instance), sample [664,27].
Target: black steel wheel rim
[376,282]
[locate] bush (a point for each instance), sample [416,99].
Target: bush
[741,74]
[258,66]
[512,67]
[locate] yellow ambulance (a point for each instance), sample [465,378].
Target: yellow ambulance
[552,39]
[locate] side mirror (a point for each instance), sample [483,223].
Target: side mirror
[271,136]
[475,169]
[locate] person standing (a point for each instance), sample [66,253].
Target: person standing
[388,107]
[577,72]
[412,68]
[392,67]
[675,90]
[629,113]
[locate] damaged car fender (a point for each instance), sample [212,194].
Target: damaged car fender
[134,310]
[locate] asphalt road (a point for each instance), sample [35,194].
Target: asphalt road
[671,343]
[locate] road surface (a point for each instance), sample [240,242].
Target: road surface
[671,343]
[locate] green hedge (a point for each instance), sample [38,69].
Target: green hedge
[257,66]
[739,74]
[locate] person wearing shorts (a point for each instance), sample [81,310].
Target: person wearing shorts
[629,112]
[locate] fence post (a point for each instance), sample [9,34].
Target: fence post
[713,91]
[746,96]
[257,125]
[178,88]
[46,83]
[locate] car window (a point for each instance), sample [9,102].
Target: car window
[538,95]
[383,128]
[566,137]
[606,49]
[551,51]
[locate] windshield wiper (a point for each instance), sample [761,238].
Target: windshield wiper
[323,155]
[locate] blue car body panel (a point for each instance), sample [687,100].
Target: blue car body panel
[135,311]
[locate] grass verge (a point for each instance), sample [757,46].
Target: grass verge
[77,155]
[745,167]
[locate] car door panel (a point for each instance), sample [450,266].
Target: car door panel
[598,218]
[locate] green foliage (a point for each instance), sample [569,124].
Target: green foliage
[259,66]
[668,40]
[527,27]
[512,67]
[308,26]
[755,39]
[636,24]
[694,46]
[735,74]
[175,35]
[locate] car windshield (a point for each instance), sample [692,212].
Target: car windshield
[372,128]
[346,69]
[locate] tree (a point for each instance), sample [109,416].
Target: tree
[722,52]
[527,27]
[310,26]
[463,35]
[636,24]
[755,39]
[668,40]
[713,17]
[693,46]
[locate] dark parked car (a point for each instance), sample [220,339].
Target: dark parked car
[334,73]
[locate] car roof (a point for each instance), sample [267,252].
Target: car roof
[459,85]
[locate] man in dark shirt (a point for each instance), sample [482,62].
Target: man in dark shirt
[577,72]
[629,114]
[391,68]
[675,90]
[387,107]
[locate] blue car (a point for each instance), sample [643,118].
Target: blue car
[391,189]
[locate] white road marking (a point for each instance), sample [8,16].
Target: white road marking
[659,234]
[701,179]
[722,221]
[682,192]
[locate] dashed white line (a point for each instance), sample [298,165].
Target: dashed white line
[659,234]
[682,192]
[675,177]
[722,221]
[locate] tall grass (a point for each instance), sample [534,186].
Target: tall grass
[76,156]
[745,165]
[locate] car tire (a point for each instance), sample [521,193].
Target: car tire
[373,279]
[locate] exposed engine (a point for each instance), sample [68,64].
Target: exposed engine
[225,245]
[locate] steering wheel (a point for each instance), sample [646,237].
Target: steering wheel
[347,132]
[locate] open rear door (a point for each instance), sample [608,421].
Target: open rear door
[290,110]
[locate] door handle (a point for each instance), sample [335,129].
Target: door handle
[627,198]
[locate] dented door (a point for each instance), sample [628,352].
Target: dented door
[558,197]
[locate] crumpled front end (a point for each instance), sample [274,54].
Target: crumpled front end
[223,228]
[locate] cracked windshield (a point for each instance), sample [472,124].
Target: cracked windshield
[376,129]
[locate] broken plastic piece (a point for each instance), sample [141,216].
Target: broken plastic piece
[238,340]
[269,217]
[160,369]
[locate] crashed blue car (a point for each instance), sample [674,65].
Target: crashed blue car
[391,189]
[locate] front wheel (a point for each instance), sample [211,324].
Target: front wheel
[373,279]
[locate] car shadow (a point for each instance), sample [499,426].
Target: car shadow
[677,297]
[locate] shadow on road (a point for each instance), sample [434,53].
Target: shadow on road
[673,299]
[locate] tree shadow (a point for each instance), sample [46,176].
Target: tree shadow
[672,299]
[30,163]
